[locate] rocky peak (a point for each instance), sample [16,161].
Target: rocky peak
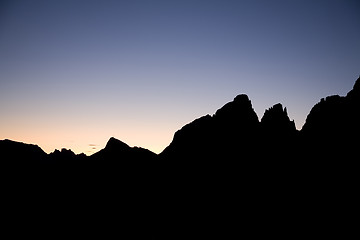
[276,118]
[64,154]
[115,144]
[240,110]
[275,113]
[242,99]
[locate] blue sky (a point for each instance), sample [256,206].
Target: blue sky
[74,73]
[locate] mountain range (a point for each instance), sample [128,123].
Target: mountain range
[233,134]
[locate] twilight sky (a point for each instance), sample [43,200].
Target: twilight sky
[74,73]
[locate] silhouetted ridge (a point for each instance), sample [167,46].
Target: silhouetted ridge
[232,133]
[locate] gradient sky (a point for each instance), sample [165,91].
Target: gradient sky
[74,73]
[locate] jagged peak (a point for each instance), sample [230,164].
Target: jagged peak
[277,117]
[66,150]
[63,152]
[276,111]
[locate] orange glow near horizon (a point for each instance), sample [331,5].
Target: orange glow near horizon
[86,139]
[86,146]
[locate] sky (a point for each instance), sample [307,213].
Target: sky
[74,73]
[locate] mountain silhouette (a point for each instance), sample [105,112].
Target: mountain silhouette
[233,134]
